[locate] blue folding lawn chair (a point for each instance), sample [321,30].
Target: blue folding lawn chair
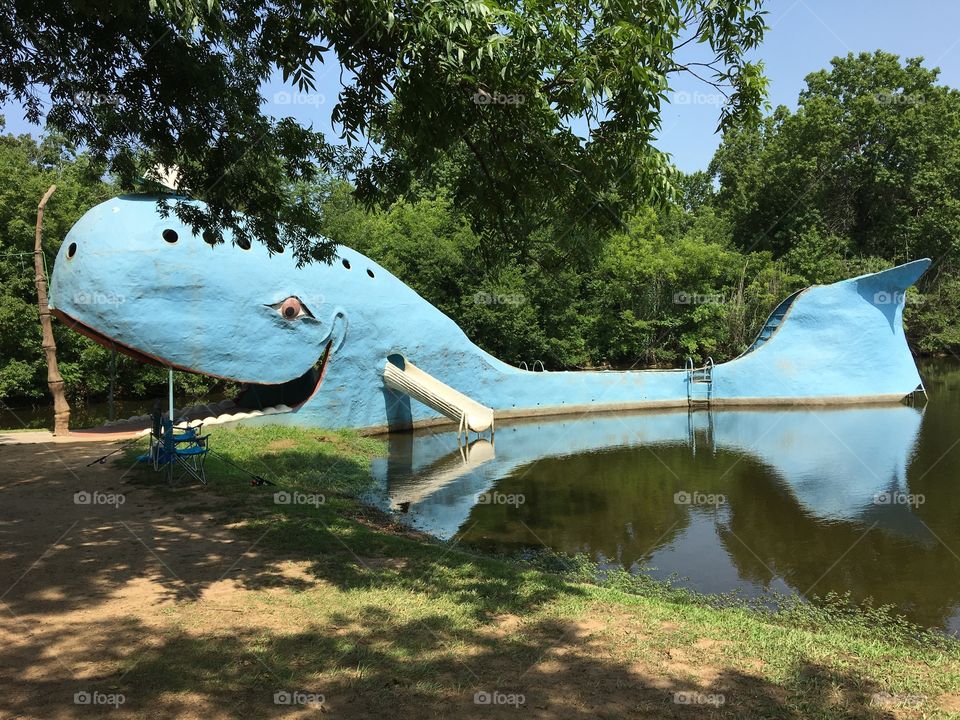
[178,449]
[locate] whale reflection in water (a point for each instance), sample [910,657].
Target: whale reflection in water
[838,464]
[803,500]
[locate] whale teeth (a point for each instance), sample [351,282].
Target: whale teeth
[241,415]
[183,420]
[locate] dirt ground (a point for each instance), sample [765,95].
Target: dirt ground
[84,554]
[105,586]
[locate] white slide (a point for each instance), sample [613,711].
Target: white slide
[445,471]
[411,380]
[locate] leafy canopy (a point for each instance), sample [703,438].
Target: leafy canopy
[867,166]
[178,83]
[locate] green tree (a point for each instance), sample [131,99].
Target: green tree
[870,162]
[29,167]
[659,298]
[865,174]
[672,284]
[178,83]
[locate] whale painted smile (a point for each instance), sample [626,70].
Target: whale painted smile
[318,336]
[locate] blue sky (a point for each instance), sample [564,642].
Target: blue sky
[804,36]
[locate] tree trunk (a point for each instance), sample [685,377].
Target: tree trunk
[61,409]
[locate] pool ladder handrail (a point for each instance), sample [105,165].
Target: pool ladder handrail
[523,366]
[699,375]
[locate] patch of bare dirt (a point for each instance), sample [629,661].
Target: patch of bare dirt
[382,563]
[89,559]
[275,446]
[950,702]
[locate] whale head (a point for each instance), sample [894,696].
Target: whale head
[150,287]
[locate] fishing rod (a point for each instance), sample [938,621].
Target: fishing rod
[254,479]
[127,444]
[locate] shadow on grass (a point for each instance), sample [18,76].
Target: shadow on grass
[375,666]
[69,562]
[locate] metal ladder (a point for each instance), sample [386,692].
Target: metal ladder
[700,429]
[699,376]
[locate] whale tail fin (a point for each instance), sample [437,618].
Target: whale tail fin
[843,340]
[887,289]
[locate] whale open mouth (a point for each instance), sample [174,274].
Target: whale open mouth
[292,393]
[260,398]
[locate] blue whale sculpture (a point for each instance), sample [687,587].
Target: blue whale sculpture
[332,344]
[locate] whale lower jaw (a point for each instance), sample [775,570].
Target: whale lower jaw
[220,413]
[231,410]
[227,410]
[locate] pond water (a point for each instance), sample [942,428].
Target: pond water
[861,500]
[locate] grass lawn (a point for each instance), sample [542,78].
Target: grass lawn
[359,617]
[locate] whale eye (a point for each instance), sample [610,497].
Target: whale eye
[292,309]
[170,235]
[72,250]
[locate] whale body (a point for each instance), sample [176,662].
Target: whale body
[317,337]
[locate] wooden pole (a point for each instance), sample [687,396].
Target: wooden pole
[113,382]
[61,409]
